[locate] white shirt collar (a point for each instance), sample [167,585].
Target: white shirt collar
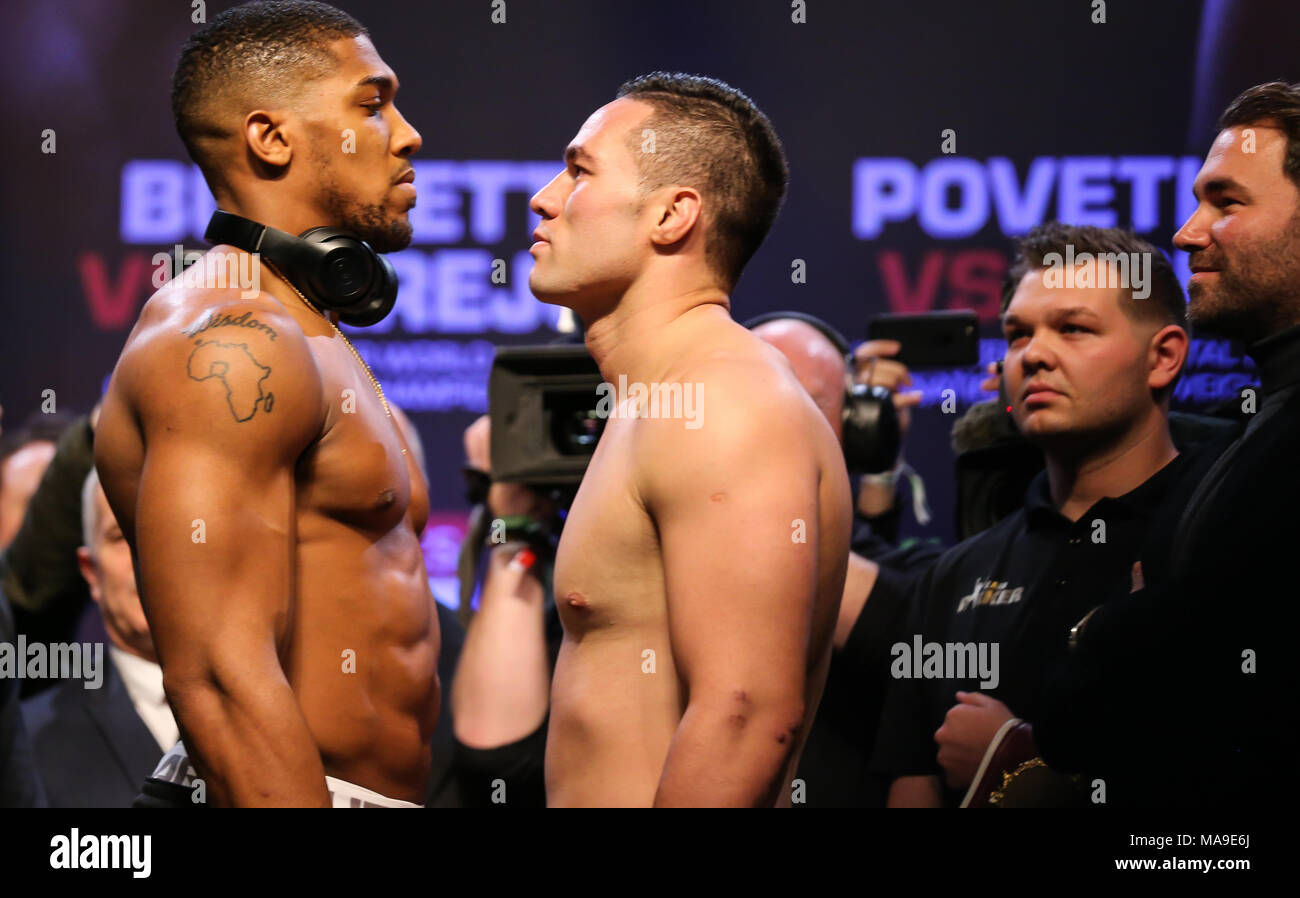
[143,678]
[144,684]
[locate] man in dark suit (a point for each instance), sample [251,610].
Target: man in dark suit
[19,785]
[1177,694]
[94,747]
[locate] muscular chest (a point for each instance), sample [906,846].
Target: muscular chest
[361,471]
[608,570]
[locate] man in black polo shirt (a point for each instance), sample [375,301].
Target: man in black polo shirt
[1183,693]
[1089,370]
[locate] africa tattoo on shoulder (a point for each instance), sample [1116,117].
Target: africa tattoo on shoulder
[217,361]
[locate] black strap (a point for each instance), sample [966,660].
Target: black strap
[235,231]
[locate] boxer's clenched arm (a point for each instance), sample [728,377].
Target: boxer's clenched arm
[736,506]
[225,415]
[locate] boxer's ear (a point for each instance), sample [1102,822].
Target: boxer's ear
[265,136]
[679,212]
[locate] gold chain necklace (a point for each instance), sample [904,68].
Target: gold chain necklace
[374,381]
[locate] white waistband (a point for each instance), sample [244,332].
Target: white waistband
[349,795]
[175,768]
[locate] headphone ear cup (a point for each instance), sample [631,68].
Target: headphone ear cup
[871,434]
[379,302]
[343,267]
[349,277]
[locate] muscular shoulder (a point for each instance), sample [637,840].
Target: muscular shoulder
[207,361]
[748,412]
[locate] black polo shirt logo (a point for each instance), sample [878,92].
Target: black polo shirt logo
[990,592]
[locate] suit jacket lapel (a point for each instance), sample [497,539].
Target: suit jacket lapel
[110,708]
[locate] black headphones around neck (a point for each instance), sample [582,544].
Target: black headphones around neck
[871,437]
[334,270]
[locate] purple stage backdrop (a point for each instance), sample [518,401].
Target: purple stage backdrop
[920,137]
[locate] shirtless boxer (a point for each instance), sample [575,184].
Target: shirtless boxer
[271,504]
[701,566]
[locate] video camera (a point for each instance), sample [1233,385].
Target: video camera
[542,403]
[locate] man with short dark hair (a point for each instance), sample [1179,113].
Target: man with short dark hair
[271,503]
[701,565]
[264,58]
[702,131]
[1096,339]
[1174,693]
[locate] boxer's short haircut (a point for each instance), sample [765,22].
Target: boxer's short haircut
[1278,104]
[712,137]
[1165,305]
[259,54]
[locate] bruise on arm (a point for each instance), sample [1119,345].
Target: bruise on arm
[737,515]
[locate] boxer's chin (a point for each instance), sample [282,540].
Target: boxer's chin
[393,236]
[559,291]
[545,285]
[385,229]
[544,291]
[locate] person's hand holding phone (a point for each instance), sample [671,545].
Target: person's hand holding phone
[874,367]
